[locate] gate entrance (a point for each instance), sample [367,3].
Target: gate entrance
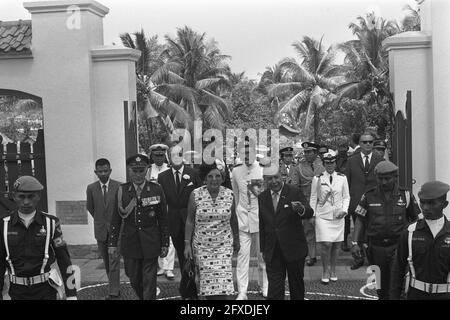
[402,145]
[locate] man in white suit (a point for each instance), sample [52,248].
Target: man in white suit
[158,157]
[247,212]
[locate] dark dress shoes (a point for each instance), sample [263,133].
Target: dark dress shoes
[345,247]
[311,262]
[357,264]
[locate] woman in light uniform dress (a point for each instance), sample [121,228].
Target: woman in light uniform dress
[330,198]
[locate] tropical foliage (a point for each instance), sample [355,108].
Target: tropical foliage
[323,93]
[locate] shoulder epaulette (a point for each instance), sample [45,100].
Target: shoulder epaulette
[340,174]
[238,165]
[319,175]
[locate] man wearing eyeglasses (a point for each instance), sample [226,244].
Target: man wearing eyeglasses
[361,178]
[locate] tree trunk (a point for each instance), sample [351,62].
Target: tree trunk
[316,124]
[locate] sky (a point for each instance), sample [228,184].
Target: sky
[255,33]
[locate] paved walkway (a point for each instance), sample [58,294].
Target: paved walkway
[93,272]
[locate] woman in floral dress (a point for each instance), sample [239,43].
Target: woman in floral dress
[212,234]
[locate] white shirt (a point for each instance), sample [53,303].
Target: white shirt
[363,156]
[180,173]
[246,202]
[435,225]
[154,171]
[27,218]
[104,184]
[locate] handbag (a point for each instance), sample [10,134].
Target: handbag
[188,287]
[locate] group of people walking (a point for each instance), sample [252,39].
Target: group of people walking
[208,215]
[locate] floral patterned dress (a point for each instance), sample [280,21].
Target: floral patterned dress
[213,241]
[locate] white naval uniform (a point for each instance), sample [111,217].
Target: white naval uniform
[327,200]
[168,262]
[247,213]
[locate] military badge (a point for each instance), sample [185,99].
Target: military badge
[138,159]
[400,202]
[42,232]
[152,214]
[146,202]
[447,241]
[154,200]
[59,242]
[186,176]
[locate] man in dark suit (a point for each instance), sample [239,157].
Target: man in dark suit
[361,177]
[141,208]
[282,239]
[100,204]
[177,184]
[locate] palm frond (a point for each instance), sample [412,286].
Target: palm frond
[353,90]
[167,107]
[280,89]
[220,104]
[127,41]
[212,118]
[292,71]
[297,103]
[206,83]
[176,91]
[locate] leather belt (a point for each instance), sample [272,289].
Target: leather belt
[430,287]
[29,281]
[383,242]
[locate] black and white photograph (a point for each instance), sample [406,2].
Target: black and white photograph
[242,151]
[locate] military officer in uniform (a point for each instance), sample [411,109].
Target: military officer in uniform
[382,214]
[141,208]
[310,167]
[425,248]
[30,242]
[322,150]
[289,171]
[158,157]
[379,147]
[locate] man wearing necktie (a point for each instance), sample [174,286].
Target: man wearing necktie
[177,183]
[100,197]
[282,240]
[158,156]
[142,210]
[310,167]
[361,177]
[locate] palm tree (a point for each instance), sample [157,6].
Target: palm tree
[157,81]
[204,71]
[411,21]
[367,70]
[307,84]
[236,78]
